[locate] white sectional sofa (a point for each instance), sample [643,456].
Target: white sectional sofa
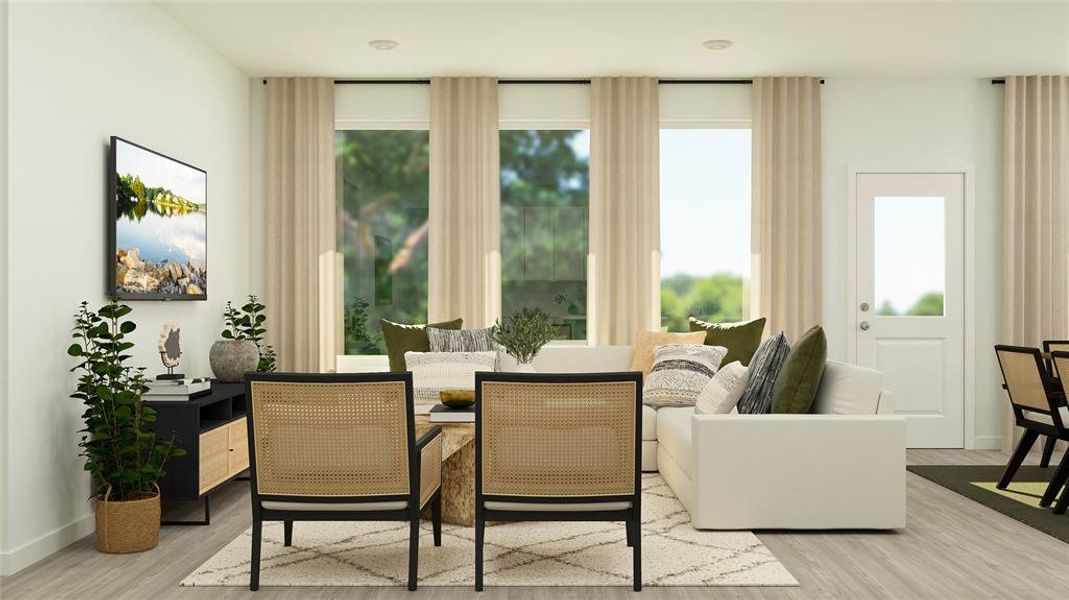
[841,467]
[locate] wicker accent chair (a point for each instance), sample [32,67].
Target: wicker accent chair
[561,447]
[1048,347]
[339,447]
[1038,407]
[1060,358]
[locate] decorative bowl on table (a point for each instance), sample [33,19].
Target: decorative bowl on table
[457,398]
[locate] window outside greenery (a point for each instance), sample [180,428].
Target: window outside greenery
[382,231]
[545,185]
[705,225]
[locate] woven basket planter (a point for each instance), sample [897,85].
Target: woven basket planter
[128,526]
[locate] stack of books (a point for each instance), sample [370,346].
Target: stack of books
[441,413]
[175,390]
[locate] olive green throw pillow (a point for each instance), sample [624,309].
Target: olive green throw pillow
[401,338]
[741,339]
[798,380]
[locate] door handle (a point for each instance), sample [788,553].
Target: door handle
[864,307]
[864,325]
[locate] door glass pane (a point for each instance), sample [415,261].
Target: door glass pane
[382,189]
[545,194]
[910,255]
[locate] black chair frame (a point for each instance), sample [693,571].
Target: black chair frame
[1048,445]
[1032,429]
[631,517]
[411,513]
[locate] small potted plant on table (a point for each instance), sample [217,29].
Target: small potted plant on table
[125,459]
[523,335]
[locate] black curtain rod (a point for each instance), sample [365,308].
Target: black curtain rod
[545,81]
[998,81]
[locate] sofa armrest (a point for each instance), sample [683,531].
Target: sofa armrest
[798,471]
[886,403]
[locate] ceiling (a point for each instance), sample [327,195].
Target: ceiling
[553,38]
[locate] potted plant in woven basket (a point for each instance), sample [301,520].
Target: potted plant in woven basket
[124,458]
[523,335]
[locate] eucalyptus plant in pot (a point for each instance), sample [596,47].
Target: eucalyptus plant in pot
[242,349]
[523,335]
[123,456]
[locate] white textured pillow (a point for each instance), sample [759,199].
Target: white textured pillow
[679,373]
[433,372]
[723,391]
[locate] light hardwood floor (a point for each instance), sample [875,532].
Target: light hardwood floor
[952,548]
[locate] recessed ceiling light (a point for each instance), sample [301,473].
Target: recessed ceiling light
[383,44]
[717,44]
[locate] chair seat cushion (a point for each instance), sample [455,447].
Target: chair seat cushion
[649,423]
[333,506]
[562,507]
[1045,419]
[673,434]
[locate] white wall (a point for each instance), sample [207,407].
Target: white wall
[914,124]
[78,74]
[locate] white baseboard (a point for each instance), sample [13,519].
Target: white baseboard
[987,442]
[13,561]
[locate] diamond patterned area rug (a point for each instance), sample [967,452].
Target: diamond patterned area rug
[517,554]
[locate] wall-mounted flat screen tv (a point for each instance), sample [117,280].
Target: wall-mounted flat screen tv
[158,226]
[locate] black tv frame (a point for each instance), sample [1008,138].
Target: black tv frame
[112,290]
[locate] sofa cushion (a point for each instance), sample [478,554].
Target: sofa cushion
[401,338]
[433,372]
[847,390]
[574,359]
[723,391]
[646,341]
[766,365]
[741,339]
[673,434]
[649,422]
[460,340]
[798,380]
[679,373]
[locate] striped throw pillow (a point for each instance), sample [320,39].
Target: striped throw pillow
[679,373]
[764,368]
[461,340]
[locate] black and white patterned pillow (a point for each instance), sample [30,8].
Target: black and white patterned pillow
[679,373]
[764,368]
[460,340]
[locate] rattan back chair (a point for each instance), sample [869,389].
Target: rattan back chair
[558,447]
[1060,358]
[339,447]
[1037,407]
[1050,346]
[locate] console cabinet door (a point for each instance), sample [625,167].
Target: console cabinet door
[239,446]
[214,457]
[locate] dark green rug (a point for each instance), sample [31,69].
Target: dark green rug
[1020,501]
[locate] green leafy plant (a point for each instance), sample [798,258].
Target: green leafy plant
[119,451]
[524,333]
[359,338]
[247,324]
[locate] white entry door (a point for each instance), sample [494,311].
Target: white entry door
[909,297]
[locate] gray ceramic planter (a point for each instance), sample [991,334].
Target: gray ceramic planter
[231,359]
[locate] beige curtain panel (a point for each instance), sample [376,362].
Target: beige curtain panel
[302,291]
[786,224]
[625,232]
[1035,212]
[464,260]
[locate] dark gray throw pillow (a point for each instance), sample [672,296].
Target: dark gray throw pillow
[460,340]
[764,368]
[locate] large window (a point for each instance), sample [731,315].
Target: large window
[705,225]
[545,179]
[382,231]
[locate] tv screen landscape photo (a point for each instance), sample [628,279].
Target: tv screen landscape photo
[158,216]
